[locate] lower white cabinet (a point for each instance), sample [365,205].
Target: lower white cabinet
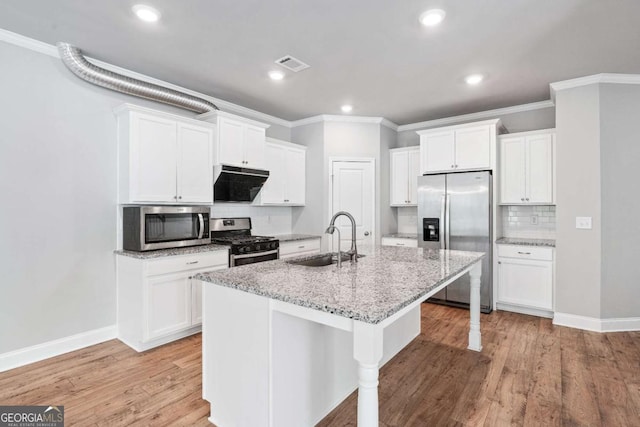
[525,279]
[394,241]
[296,248]
[159,300]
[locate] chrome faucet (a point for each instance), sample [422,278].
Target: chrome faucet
[353,252]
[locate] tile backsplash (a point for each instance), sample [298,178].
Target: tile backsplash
[408,220]
[265,220]
[532,222]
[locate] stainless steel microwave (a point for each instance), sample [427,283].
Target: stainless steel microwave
[147,228]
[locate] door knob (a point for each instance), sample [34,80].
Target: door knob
[366,233]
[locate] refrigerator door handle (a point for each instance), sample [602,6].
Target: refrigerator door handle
[443,232]
[447,221]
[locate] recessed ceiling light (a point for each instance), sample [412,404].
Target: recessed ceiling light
[432,17]
[474,79]
[276,75]
[346,108]
[146,13]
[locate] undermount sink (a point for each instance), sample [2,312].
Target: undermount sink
[320,260]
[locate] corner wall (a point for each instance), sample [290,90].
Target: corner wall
[578,190]
[620,157]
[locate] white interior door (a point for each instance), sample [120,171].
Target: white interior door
[353,191]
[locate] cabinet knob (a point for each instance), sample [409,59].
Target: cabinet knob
[366,233]
[522,199]
[452,166]
[180,197]
[456,166]
[175,197]
[527,199]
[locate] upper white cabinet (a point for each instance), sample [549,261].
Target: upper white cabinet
[286,165]
[463,147]
[527,168]
[163,158]
[404,172]
[240,142]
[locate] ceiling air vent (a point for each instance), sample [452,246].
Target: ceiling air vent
[291,63]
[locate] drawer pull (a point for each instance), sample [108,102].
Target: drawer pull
[301,247]
[399,244]
[524,253]
[192,262]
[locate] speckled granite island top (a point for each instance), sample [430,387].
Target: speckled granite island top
[526,242]
[172,252]
[377,286]
[294,237]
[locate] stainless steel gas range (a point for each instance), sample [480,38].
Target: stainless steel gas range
[244,247]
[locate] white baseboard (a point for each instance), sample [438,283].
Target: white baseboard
[595,324]
[36,353]
[524,310]
[621,324]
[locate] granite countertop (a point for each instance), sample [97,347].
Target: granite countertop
[294,237]
[377,286]
[172,252]
[526,242]
[401,236]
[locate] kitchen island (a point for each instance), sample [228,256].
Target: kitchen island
[283,344]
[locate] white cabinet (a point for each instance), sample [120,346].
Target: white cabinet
[240,141]
[163,158]
[286,165]
[404,172]
[525,279]
[395,241]
[159,300]
[527,168]
[295,248]
[463,147]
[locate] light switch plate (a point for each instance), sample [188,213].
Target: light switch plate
[534,219]
[583,222]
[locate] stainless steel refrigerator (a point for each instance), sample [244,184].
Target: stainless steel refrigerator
[454,212]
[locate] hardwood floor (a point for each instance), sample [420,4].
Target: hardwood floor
[529,373]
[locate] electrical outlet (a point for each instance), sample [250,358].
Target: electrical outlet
[583,222]
[534,219]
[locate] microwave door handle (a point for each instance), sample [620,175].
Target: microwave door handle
[201,222]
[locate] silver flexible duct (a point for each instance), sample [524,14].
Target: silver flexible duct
[74,60]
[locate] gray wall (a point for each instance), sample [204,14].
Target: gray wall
[620,154]
[58,174]
[578,194]
[543,118]
[310,219]
[388,215]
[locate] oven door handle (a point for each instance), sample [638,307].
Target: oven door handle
[275,251]
[201,222]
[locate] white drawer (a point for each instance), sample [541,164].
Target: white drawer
[393,241]
[526,252]
[299,247]
[177,263]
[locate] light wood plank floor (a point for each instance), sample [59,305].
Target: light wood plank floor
[529,373]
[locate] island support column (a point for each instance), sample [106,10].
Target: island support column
[475,341]
[367,351]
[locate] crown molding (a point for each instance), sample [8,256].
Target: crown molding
[51,50]
[494,122]
[346,119]
[476,116]
[630,79]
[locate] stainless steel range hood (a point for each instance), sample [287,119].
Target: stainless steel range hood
[236,184]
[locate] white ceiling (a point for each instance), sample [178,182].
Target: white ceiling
[371,53]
